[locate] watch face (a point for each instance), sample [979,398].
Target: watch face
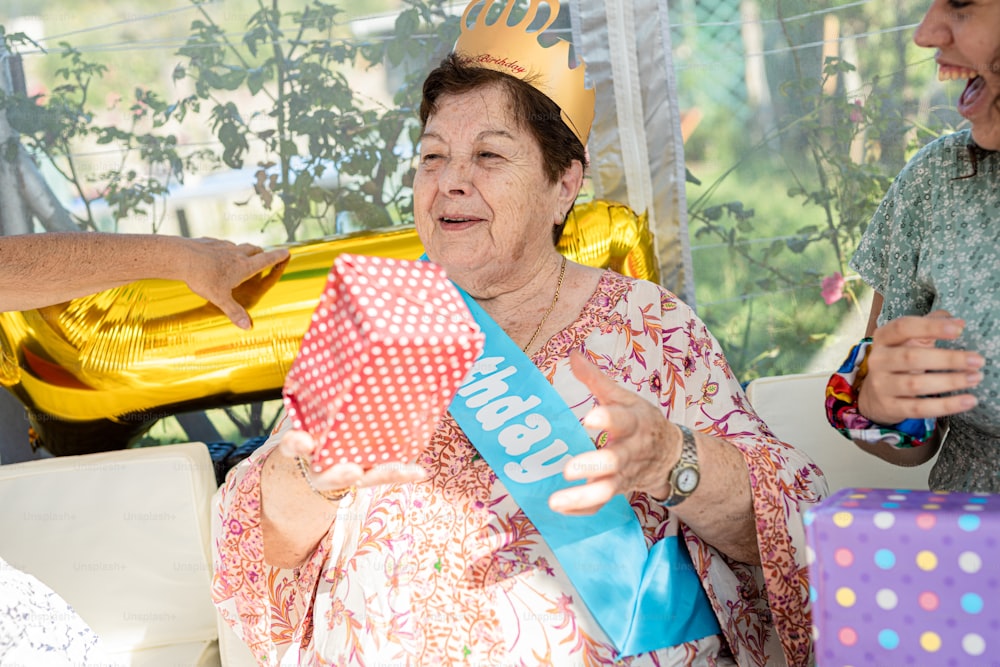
[687,480]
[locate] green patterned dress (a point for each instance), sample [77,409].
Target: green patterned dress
[933,243]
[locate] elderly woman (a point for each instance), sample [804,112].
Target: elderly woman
[437,563]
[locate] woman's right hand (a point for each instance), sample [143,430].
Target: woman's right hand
[907,374]
[345,475]
[294,517]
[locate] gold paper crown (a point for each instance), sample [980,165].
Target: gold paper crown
[515,51]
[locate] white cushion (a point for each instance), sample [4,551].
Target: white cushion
[793,406]
[232,649]
[193,654]
[123,537]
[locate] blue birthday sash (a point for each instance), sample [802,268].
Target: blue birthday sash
[643,599]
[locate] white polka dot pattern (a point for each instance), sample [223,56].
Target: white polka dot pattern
[388,345]
[900,578]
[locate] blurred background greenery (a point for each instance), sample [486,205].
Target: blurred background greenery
[797,116]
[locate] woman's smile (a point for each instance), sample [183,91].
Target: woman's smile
[967,38]
[458,222]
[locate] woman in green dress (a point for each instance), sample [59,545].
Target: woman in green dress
[928,367]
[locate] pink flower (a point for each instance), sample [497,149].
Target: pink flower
[857,115]
[833,288]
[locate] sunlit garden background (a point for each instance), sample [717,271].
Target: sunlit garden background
[154,116]
[798,115]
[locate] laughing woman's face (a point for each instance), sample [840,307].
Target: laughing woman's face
[966,35]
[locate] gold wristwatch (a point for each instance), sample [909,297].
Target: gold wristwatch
[686,474]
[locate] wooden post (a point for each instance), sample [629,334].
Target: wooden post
[831,49]
[755,69]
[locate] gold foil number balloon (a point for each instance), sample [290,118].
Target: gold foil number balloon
[96,372]
[610,235]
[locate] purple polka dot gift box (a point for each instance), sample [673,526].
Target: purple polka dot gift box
[901,578]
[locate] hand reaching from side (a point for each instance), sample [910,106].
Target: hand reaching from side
[214,268]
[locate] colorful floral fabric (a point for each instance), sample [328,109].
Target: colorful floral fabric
[842,407]
[932,244]
[449,571]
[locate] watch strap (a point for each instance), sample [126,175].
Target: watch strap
[688,461]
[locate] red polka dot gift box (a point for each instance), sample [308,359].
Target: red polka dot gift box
[905,578]
[387,347]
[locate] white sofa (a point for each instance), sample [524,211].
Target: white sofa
[793,406]
[124,538]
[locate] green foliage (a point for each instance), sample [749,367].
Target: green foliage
[311,123]
[832,177]
[54,126]
[794,200]
[277,95]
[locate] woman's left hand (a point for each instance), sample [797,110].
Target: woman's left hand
[641,446]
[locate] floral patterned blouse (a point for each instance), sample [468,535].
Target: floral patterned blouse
[449,571]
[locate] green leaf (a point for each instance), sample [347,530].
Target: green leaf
[765,284]
[777,245]
[255,80]
[395,51]
[797,245]
[407,23]
[234,145]
[233,79]
[253,38]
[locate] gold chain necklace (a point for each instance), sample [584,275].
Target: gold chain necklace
[562,274]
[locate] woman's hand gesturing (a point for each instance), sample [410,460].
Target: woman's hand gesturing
[907,374]
[641,446]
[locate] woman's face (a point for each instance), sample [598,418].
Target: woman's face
[483,207]
[967,37]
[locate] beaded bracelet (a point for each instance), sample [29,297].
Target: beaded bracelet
[842,407]
[333,496]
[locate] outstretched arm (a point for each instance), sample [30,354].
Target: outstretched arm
[38,270]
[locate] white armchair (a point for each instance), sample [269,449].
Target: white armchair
[793,406]
[124,538]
